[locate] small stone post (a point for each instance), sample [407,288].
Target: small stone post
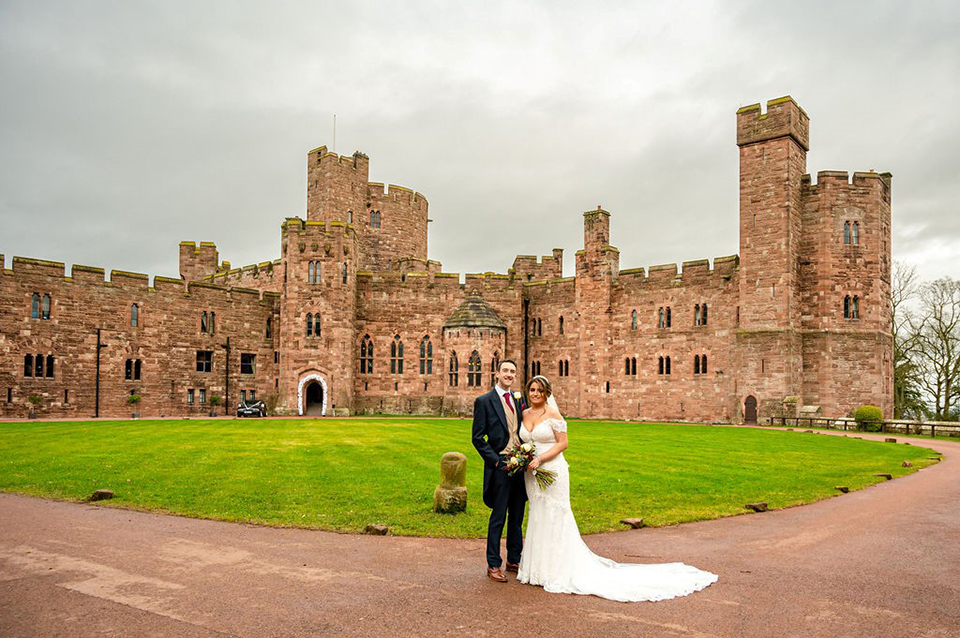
[450,496]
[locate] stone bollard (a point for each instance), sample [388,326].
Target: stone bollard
[450,496]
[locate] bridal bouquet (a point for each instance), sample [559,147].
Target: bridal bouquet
[519,457]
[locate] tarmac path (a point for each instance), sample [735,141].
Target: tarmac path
[883,561]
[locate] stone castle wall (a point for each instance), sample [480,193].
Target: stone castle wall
[775,331]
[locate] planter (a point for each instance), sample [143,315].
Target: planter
[135,415]
[32,415]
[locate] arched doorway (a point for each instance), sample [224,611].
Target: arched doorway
[312,394]
[750,410]
[313,405]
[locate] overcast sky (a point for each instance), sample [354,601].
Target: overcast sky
[128,127]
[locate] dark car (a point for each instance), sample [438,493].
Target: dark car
[255,408]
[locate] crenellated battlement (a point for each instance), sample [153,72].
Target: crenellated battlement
[378,192]
[295,226]
[784,118]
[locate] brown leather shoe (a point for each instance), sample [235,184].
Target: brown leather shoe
[496,574]
[513,567]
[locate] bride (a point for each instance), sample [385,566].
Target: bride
[554,555]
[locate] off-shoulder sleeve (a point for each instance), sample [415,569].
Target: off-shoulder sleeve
[558,425]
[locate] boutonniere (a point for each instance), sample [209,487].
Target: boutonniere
[517,396]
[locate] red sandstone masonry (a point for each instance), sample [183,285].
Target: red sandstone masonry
[775,328]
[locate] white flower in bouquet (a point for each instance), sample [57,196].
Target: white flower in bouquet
[527,447]
[513,461]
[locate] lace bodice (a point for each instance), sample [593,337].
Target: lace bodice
[543,436]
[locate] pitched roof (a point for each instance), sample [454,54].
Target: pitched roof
[474,312]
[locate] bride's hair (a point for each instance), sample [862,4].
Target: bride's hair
[544,384]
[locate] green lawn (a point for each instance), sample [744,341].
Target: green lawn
[341,474]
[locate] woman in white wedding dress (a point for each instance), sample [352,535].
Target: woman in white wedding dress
[554,555]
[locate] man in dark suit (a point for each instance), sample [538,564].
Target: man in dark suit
[496,428]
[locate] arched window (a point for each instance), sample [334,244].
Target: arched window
[561,324]
[703,315]
[494,366]
[703,364]
[426,356]
[309,324]
[213,322]
[539,327]
[855,308]
[566,368]
[696,315]
[846,307]
[203,321]
[696,364]
[316,325]
[633,320]
[666,365]
[344,272]
[311,275]
[366,355]
[846,232]
[855,235]
[659,365]
[134,316]
[474,370]
[396,356]
[269,333]
[38,366]
[626,365]
[375,219]
[128,370]
[45,311]
[349,216]
[660,321]
[533,327]
[454,370]
[560,373]
[668,316]
[28,365]
[50,365]
[633,366]
[35,307]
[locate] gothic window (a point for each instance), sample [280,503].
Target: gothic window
[366,355]
[203,321]
[136,369]
[134,316]
[855,233]
[310,273]
[633,320]
[28,365]
[533,327]
[660,321]
[35,307]
[38,366]
[213,321]
[128,373]
[846,307]
[344,269]
[696,315]
[494,366]
[45,310]
[374,219]
[855,308]
[703,364]
[248,363]
[633,366]
[316,325]
[560,373]
[536,364]
[133,369]
[396,356]
[454,370]
[703,315]
[666,365]
[426,356]
[566,368]
[473,370]
[269,333]
[204,361]
[846,232]
[696,364]
[668,316]
[561,325]
[349,216]
[309,324]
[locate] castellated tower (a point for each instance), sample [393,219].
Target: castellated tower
[813,319]
[391,222]
[318,306]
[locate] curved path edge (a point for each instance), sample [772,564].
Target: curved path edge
[882,561]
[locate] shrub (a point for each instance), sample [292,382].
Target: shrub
[35,399]
[868,418]
[133,399]
[215,400]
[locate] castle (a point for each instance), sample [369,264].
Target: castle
[354,318]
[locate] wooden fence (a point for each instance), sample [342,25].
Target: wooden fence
[929,428]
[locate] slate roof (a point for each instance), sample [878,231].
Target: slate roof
[474,312]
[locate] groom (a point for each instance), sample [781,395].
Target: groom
[496,429]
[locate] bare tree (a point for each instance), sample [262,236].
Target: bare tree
[907,397]
[938,345]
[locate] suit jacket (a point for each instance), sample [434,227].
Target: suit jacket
[490,434]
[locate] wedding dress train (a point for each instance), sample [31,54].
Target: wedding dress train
[555,556]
